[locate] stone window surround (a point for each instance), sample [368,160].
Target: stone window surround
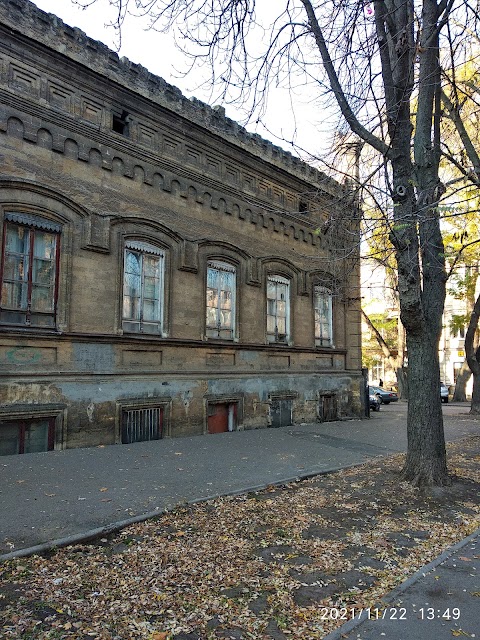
[128,404]
[35,412]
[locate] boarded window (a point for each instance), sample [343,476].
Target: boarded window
[29,271]
[322,302]
[142,425]
[278,309]
[328,407]
[281,412]
[143,283]
[27,436]
[220,320]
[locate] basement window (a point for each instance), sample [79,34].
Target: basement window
[27,436]
[142,425]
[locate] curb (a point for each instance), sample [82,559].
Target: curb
[341,632]
[114,527]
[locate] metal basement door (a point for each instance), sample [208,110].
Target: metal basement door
[141,425]
[221,417]
[281,413]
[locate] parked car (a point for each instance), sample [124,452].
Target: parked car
[383,395]
[374,402]
[444,392]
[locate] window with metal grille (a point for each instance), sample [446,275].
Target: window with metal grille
[278,309]
[143,288]
[29,271]
[220,320]
[322,302]
[142,425]
[27,436]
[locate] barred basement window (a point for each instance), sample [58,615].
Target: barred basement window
[29,271]
[143,288]
[220,320]
[278,309]
[142,425]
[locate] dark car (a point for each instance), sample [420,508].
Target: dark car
[383,395]
[374,402]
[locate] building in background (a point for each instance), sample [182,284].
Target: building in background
[163,272]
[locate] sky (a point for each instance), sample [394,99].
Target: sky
[157,52]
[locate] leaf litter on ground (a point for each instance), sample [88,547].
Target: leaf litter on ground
[266,564]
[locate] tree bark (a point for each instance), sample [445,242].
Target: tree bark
[473,356]
[463,376]
[426,457]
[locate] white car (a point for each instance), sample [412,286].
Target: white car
[444,392]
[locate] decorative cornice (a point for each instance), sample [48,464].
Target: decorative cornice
[49,30]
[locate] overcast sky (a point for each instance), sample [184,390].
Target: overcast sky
[156,52]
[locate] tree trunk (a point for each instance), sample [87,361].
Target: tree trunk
[475,406]
[401,371]
[463,376]
[402,381]
[473,356]
[426,458]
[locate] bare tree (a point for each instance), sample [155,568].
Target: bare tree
[379,62]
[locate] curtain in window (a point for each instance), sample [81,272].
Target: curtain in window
[323,316]
[29,275]
[220,300]
[142,290]
[278,308]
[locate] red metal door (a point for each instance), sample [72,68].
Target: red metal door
[217,418]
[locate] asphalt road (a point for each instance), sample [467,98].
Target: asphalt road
[45,497]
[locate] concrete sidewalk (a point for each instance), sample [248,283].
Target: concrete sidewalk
[58,496]
[440,601]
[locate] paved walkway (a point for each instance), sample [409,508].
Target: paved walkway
[46,497]
[61,497]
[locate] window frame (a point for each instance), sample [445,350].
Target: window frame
[320,341]
[164,404]
[55,413]
[144,248]
[218,332]
[274,338]
[33,224]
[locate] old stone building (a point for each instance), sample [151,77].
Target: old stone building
[162,270]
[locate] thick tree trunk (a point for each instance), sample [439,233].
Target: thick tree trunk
[473,356]
[463,376]
[401,371]
[426,457]
[475,406]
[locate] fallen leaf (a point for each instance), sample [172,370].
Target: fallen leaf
[465,559]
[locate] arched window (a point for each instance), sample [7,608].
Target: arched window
[220,303]
[29,271]
[278,309]
[143,288]
[322,303]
